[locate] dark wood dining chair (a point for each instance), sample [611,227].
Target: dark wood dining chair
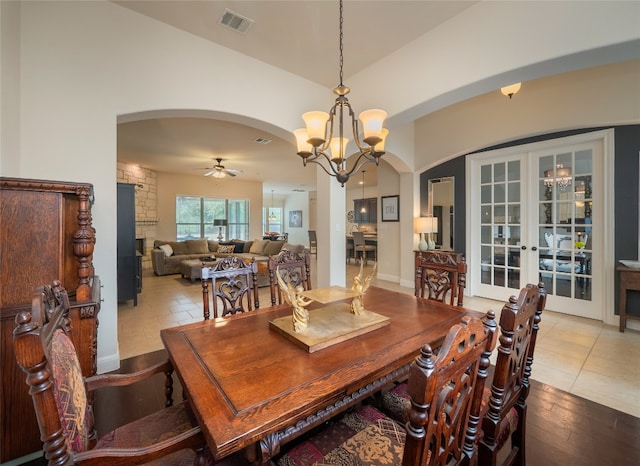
[361,247]
[294,267]
[507,404]
[446,396]
[234,287]
[441,277]
[61,398]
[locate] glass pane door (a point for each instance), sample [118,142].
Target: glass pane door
[565,226]
[500,225]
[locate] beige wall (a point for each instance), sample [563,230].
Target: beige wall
[172,185]
[604,95]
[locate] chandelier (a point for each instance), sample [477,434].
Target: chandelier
[562,177]
[323,141]
[272,216]
[363,209]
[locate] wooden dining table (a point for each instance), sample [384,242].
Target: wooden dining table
[252,389]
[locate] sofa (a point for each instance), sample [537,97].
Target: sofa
[167,256]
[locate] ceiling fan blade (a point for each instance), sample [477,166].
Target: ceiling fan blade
[229,172]
[209,173]
[235,171]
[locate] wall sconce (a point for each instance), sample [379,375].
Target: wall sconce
[511,89]
[425,226]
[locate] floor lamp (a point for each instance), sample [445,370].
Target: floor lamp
[220,222]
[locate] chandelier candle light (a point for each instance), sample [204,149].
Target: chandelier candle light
[317,143]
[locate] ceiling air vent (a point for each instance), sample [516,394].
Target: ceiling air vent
[234,21]
[263,140]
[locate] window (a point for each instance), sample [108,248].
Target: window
[195,215]
[274,224]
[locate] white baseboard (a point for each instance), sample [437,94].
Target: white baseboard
[388,278]
[108,363]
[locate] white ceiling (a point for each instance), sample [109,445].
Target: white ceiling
[297,36]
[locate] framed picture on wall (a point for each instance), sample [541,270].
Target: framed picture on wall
[295,219]
[390,208]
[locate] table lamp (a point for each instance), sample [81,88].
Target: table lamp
[220,222]
[425,226]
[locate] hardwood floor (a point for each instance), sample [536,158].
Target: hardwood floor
[562,429]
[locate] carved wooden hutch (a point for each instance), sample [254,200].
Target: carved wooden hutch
[45,234]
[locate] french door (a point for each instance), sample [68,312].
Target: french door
[536,215]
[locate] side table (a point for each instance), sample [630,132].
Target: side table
[629,280]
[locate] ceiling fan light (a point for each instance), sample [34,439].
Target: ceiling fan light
[218,174]
[316,122]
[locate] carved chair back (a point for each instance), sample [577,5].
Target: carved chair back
[441,277]
[519,323]
[294,267]
[446,395]
[234,287]
[62,396]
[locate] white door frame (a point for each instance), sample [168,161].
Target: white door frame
[606,137]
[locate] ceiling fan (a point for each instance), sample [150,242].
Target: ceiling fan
[219,171]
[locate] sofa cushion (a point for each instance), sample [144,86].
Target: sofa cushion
[297,248]
[197,246]
[273,247]
[213,246]
[258,246]
[179,248]
[226,249]
[167,249]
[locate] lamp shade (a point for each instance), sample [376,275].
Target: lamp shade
[426,224]
[220,222]
[422,224]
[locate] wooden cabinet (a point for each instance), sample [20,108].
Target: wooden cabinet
[371,210]
[128,262]
[629,281]
[45,234]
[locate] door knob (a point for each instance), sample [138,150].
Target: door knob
[534,248]
[523,247]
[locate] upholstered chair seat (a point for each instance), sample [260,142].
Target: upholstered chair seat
[444,412]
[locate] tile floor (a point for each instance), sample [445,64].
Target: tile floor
[580,356]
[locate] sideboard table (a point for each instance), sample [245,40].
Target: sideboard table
[629,280]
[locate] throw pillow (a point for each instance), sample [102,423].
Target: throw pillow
[213,246]
[273,247]
[258,246]
[168,250]
[239,246]
[226,249]
[247,246]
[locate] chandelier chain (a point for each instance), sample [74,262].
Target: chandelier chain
[341,46]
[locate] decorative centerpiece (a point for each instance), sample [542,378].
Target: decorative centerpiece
[342,317]
[361,285]
[294,298]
